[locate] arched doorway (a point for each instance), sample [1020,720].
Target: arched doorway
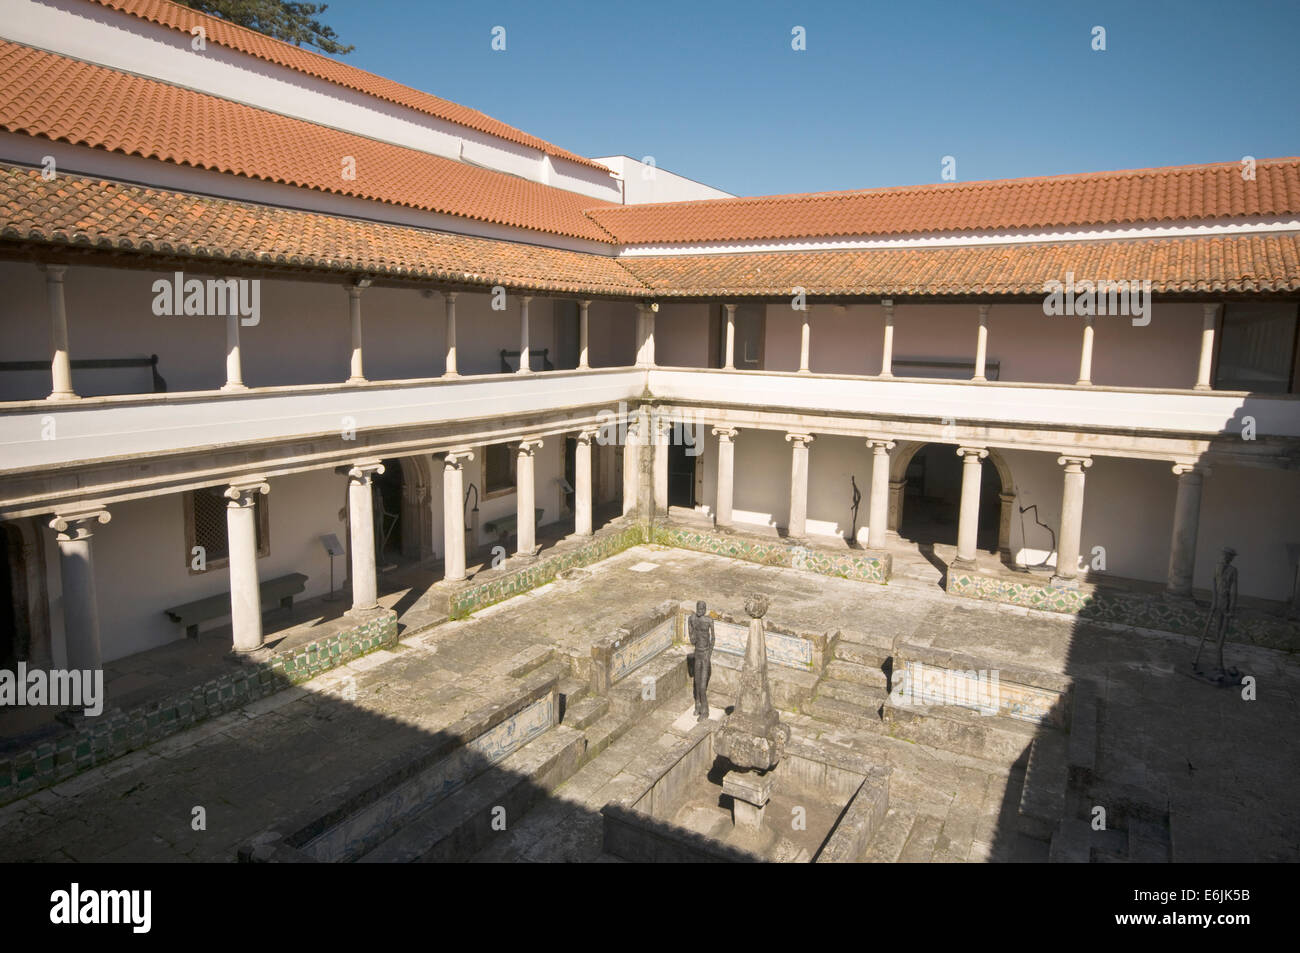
[24,622]
[925,493]
[403,520]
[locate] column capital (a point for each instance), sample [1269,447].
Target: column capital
[524,299]
[584,303]
[587,434]
[730,306]
[455,458]
[53,272]
[1198,470]
[245,492]
[1211,312]
[1075,464]
[880,444]
[450,295]
[526,447]
[800,440]
[984,311]
[362,470]
[726,433]
[978,452]
[78,522]
[355,289]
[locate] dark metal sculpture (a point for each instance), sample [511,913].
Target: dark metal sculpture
[857,501]
[1222,608]
[699,627]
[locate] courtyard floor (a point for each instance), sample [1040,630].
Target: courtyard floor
[1225,766]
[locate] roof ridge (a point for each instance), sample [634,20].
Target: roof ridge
[166,13]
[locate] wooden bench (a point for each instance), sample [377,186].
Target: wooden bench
[192,614]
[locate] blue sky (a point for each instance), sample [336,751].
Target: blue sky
[713,90]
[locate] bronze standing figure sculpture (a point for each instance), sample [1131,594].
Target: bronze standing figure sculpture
[1222,608]
[700,629]
[857,501]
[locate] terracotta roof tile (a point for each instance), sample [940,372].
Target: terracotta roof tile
[1103,198]
[84,211]
[64,99]
[235,37]
[87,212]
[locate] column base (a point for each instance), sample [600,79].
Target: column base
[979,379]
[1202,387]
[1082,383]
[964,565]
[1178,595]
[1063,582]
[356,380]
[524,370]
[64,395]
[364,612]
[229,387]
[448,375]
[522,559]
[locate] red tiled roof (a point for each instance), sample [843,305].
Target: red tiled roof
[1102,198]
[1222,264]
[69,100]
[232,36]
[87,212]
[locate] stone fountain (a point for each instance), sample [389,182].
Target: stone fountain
[752,738]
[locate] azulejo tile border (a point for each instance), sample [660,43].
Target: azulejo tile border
[1148,611]
[863,567]
[92,741]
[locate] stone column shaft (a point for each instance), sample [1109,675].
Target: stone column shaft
[631,462]
[449,301]
[453,514]
[981,344]
[798,483]
[77,573]
[878,505]
[645,352]
[1067,546]
[525,359]
[804,344]
[726,473]
[357,375]
[729,359]
[60,361]
[887,350]
[1085,354]
[361,516]
[1187,517]
[1211,312]
[582,523]
[526,496]
[241,540]
[234,363]
[583,357]
[968,519]
[662,429]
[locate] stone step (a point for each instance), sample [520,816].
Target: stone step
[998,738]
[865,697]
[646,688]
[1082,750]
[869,654]
[605,730]
[1075,842]
[846,714]
[1042,798]
[463,824]
[843,671]
[886,845]
[585,712]
[573,690]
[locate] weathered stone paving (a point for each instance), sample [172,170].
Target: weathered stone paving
[1221,769]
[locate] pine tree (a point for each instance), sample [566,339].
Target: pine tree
[295,23]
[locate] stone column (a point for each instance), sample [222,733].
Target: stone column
[1067,545]
[77,571]
[729,359]
[887,351]
[1187,517]
[234,365]
[982,344]
[631,465]
[583,357]
[241,539]
[878,506]
[1006,501]
[449,300]
[60,361]
[968,520]
[361,522]
[525,363]
[582,483]
[1211,320]
[357,375]
[798,483]
[662,428]
[804,342]
[726,473]
[525,497]
[645,343]
[1085,354]
[453,514]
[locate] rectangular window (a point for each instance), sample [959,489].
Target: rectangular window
[498,469]
[205,526]
[1257,345]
